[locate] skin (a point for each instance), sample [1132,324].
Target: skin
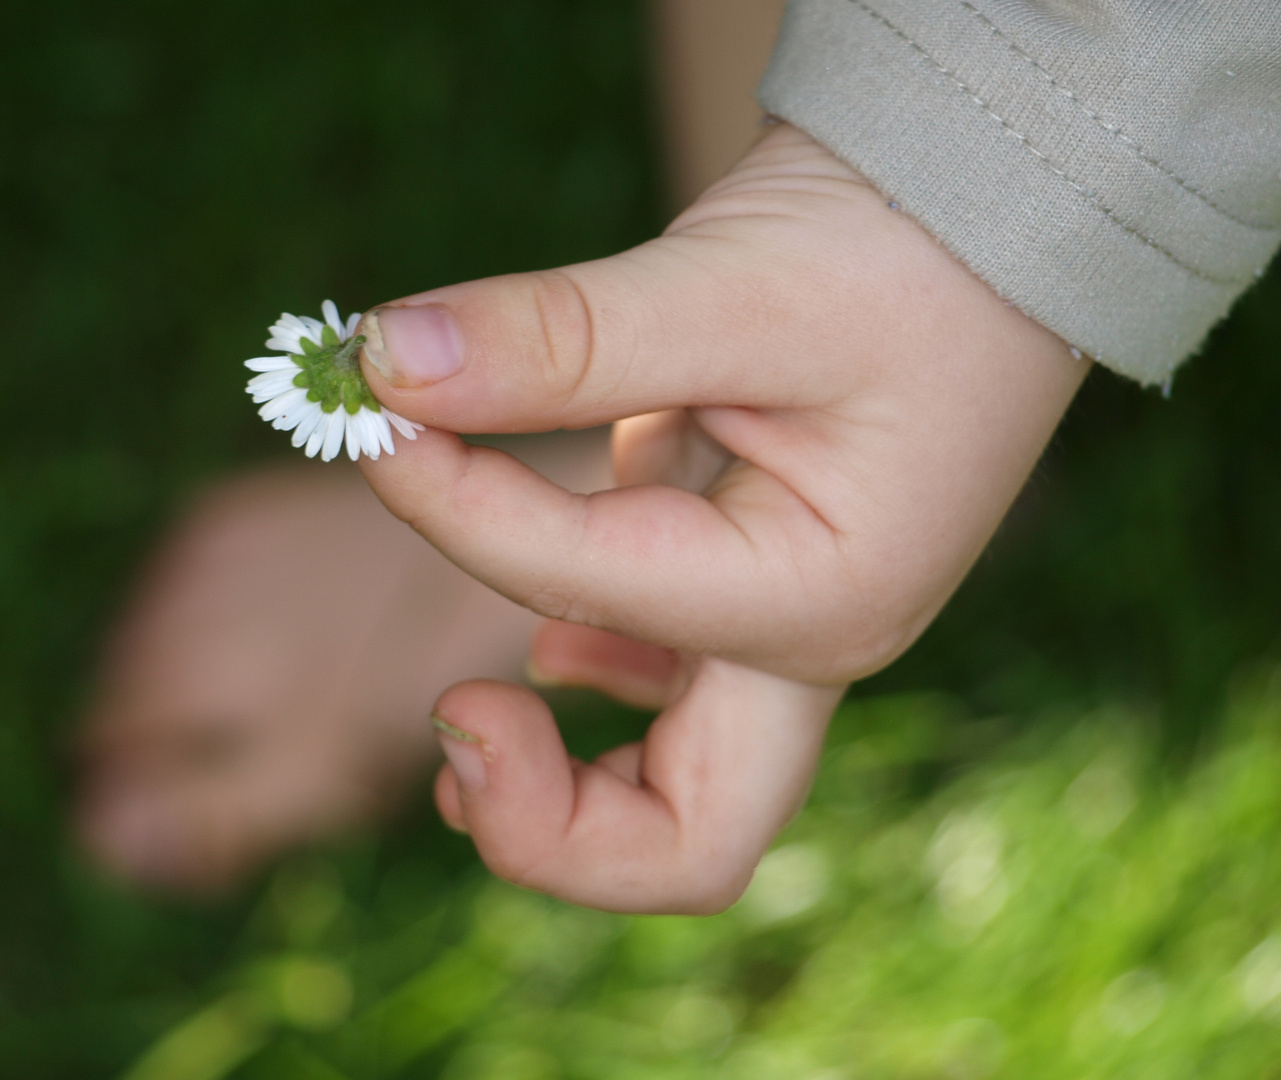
[849,412]
[207,748]
[241,711]
[237,716]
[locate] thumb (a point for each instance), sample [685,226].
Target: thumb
[704,315]
[642,331]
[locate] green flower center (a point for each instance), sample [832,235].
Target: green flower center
[331,373]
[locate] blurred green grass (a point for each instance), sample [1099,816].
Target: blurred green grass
[173,176]
[1063,904]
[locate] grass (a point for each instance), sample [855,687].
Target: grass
[952,903]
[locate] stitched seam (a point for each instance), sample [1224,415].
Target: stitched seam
[1113,129]
[1088,196]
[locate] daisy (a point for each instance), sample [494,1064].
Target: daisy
[317,390]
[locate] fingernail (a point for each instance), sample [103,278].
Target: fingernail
[538,677]
[412,345]
[466,753]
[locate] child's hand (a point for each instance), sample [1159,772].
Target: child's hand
[883,407]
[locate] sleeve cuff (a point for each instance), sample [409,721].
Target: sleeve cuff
[972,131]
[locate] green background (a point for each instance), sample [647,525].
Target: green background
[171,177]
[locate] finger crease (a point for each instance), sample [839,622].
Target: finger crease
[587,323]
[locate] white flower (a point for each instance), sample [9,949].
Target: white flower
[318,392]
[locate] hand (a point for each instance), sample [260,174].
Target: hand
[880,407]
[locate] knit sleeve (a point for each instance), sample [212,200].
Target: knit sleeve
[1113,167]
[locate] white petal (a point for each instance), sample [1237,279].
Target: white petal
[313,327]
[283,379]
[307,425]
[371,428]
[330,311]
[271,384]
[407,428]
[353,436]
[356,431]
[334,436]
[271,363]
[366,434]
[286,410]
[379,420]
[317,437]
[289,341]
[290,419]
[283,405]
[353,321]
[265,377]
[289,324]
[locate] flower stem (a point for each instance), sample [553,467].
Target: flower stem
[345,359]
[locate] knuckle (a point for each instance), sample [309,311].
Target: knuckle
[865,657]
[567,329]
[877,640]
[868,616]
[707,887]
[713,901]
[519,867]
[559,601]
[847,643]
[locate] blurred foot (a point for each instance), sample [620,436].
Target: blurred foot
[271,681]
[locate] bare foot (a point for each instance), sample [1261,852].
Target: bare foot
[271,680]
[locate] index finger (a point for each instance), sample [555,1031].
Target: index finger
[651,562]
[675,824]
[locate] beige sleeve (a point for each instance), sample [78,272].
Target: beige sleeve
[1111,166]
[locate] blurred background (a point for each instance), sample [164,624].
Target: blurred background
[1045,842]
